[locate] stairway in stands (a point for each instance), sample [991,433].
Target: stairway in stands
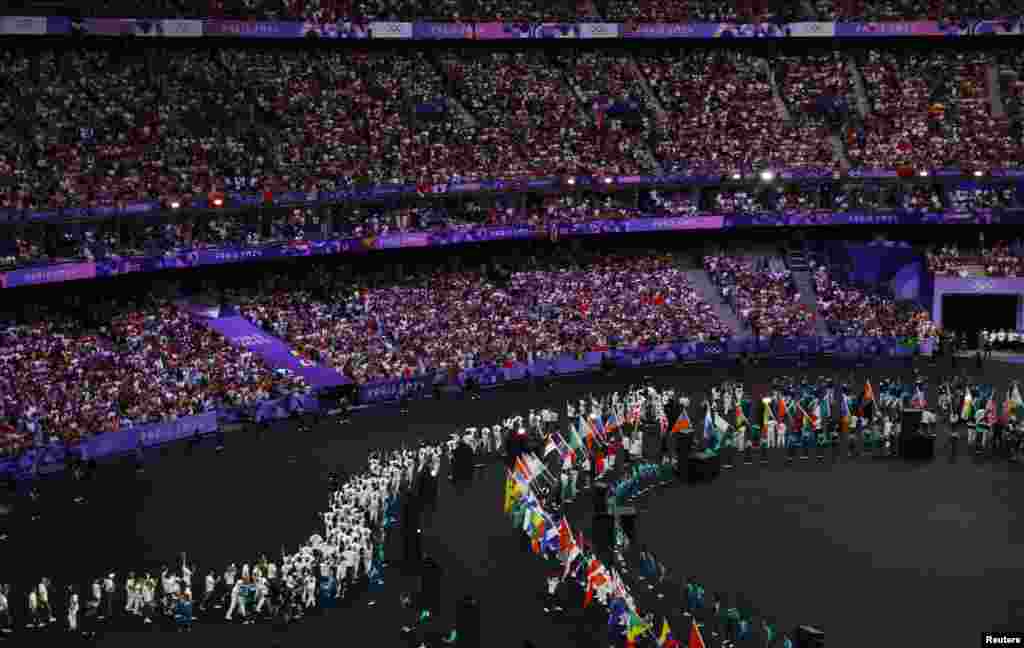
[805,284]
[798,260]
[700,280]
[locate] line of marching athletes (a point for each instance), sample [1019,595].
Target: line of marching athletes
[327,569]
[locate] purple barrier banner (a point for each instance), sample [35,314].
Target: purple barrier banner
[996,27]
[408,240]
[502,31]
[674,223]
[556,30]
[240,332]
[50,458]
[284,407]
[33,25]
[703,30]
[876,29]
[144,27]
[49,274]
[1007,173]
[262,29]
[443,31]
[155,27]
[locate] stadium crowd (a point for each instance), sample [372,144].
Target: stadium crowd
[397,331]
[762,292]
[929,110]
[1001,259]
[122,126]
[60,380]
[850,311]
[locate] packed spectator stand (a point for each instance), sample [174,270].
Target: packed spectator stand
[61,379]
[762,292]
[930,109]
[451,322]
[196,123]
[1001,259]
[851,311]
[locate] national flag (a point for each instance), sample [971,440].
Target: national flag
[565,540]
[867,403]
[919,401]
[696,639]
[599,430]
[575,440]
[597,577]
[552,542]
[665,639]
[587,430]
[564,451]
[636,410]
[816,415]
[1015,399]
[613,423]
[513,491]
[535,465]
[991,416]
[682,423]
[538,525]
[635,626]
[967,410]
[617,612]
[523,470]
[780,413]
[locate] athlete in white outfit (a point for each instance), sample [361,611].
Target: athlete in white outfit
[43,591]
[73,611]
[237,602]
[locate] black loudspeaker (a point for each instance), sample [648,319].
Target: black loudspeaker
[430,586]
[462,463]
[604,532]
[411,529]
[683,444]
[911,422]
[467,623]
[628,521]
[809,637]
[600,498]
